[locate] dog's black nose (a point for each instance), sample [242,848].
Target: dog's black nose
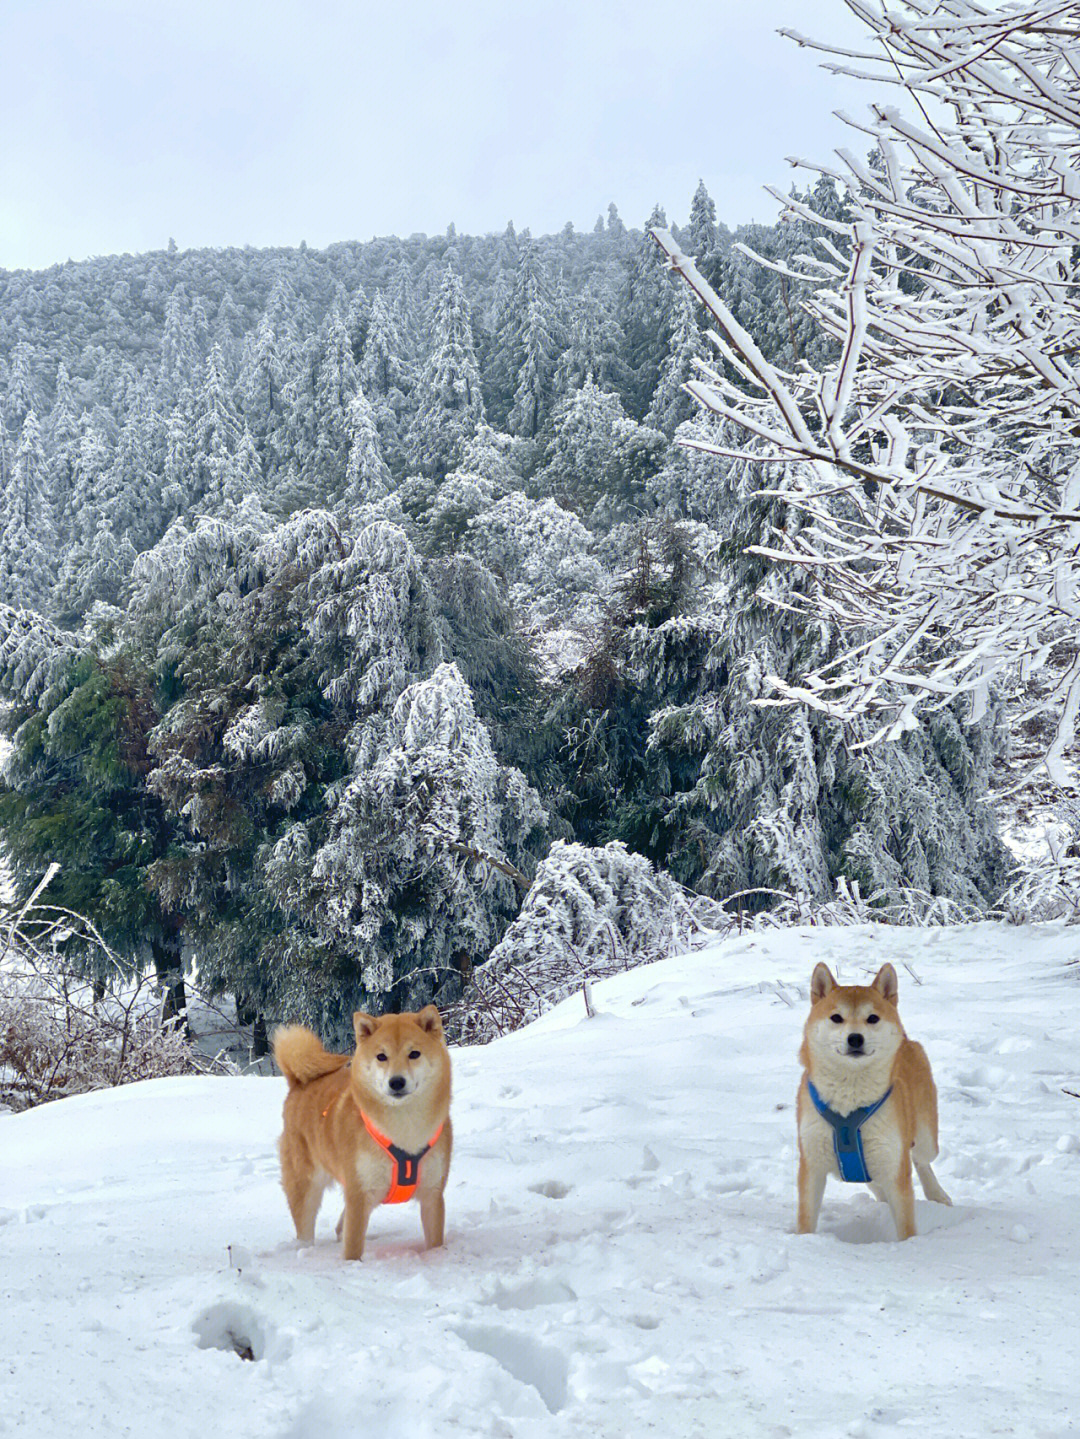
[854,1041]
[397,1081]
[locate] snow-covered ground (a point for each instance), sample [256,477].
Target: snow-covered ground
[620,1257]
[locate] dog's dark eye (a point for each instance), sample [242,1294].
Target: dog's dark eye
[873,1018]
[414,1054]
[381,1058]
[837,1018]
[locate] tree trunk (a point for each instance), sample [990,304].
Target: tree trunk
[260,1043]
[246,1013]
[170,976]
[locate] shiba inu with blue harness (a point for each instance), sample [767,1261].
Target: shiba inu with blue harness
[867,1104]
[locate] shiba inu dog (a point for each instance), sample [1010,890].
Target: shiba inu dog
[867,1103]
[377,1122]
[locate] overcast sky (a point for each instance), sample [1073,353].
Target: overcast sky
[226,122]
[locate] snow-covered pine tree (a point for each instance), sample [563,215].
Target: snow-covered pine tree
[62,435]
[262,377]
[598,460]
[216,432]
[450,406]
[420,871]
[387,378]
[23,395]
[702,235]
[27,529]
[324,786]
[367,475]
[646,313]
[595,349]
[336,387]
[733,796]
[527,344]
[670,404]
[244,474]
[180,355]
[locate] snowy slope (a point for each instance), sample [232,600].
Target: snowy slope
[620,1260]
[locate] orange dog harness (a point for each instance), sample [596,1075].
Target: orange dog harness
[406,1166]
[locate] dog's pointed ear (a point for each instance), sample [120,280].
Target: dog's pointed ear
[821,982]
[886,984]
[430,1020]
[364,1025]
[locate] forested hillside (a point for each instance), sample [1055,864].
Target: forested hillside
[337,585]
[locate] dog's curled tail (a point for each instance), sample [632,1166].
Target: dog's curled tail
[301,1057]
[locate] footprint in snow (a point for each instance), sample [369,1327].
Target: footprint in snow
[237,1329]
[532,1294]
[542,1366]
[551,1188]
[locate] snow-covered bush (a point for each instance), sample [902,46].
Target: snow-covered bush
[904,905]
[590,913]
[65,1031]
[55,1040]
[1046,882]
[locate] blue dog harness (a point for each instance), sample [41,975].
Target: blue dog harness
[847,1140]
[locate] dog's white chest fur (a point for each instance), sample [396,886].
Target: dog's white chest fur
[880,1141]
[846,1085]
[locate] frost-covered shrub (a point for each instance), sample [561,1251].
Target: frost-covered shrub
[590,913]
[55,1041]
[1045,884]
[63,1033]
[848,906]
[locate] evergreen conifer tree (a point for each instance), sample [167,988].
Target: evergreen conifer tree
[74,792]
[27,532]
[670,404]
[646,311]
[449,403]
[367,475]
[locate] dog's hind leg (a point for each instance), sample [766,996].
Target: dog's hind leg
[303,1186]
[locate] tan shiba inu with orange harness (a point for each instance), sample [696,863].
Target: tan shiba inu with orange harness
[867,1103]
[377,1122]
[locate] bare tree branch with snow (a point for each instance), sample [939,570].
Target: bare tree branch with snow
[935,464]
